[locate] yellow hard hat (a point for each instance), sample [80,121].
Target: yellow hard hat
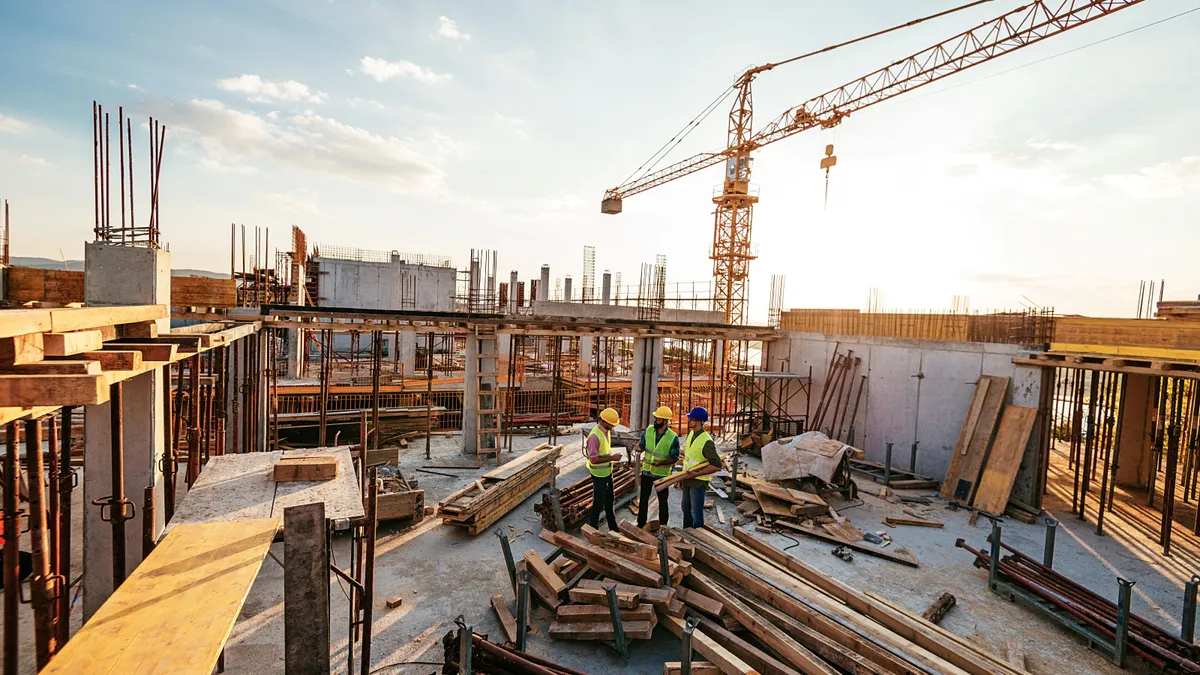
[663,413]
[610,416]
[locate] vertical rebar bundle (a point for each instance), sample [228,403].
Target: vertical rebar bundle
[128,232]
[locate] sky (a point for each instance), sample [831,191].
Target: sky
[1062,174]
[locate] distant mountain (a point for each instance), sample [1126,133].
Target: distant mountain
[77,266]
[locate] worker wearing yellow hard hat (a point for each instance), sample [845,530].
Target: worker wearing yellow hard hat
[598,450]
[659,447]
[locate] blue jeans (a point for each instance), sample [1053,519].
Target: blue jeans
[693,506]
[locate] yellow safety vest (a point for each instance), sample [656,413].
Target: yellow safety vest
[657,452]
[599,470]
[694,452]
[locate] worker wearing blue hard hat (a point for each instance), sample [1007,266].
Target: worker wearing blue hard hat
[697,449]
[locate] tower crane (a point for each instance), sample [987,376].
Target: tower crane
[733,216]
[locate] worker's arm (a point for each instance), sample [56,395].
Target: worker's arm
[710,454]
[673,457]
[593,452]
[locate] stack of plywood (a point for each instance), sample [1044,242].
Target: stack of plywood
[482,503]
[990,448]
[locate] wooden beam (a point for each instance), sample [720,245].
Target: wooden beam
[116,360]
[507,622]
[73,367]
[68,344]
[14,322]
[613,565]
[53,390]
[591,596]
[720,657]
[600,613]
[67,320]
[21,349]
[634,630]
[539,568]
[150,351]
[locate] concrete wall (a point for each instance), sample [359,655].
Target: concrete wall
[916,391]
[380,285]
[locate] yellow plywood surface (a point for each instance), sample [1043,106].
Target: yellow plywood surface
[175,612]
[1155,353]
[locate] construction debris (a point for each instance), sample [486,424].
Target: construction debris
[938,609]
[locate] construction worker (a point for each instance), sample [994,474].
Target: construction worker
[659,448]
[697,449]
[600,457]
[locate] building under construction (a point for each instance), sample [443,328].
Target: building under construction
[334,459]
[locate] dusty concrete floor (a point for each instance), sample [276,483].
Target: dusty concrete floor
[442,573]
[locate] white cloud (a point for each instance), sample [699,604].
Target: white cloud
[356,102]
[1057,146]
[383,70]
[311,142]
[220,167]
[36,161]
[448,28]
[514,125]
[302,202]
[264,91]
[12,125]
[1164,180]
[134,87]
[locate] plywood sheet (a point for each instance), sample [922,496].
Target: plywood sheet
[1004,461]
[342,495]
[186,596]
[967,461]
[230,488]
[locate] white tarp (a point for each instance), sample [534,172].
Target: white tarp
[810,454]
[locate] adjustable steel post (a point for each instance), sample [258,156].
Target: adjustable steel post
[1048,552]
[522,608]
[664,563]
[556,504]
[994,562]
[1124,609]
[618,629]
[734,486]
[508,557]
[887,466]
[1188,632]
[685,663]
[912,459]
[465,647]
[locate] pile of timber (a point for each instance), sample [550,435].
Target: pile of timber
[1187,310]
[394,424]
[576,498]
[793,511]
[791,618]
[989,450]
[482,503]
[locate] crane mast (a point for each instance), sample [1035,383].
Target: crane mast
[734,214]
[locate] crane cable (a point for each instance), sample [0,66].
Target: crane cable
[661,154]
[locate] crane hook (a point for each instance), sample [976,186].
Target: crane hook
[828,162]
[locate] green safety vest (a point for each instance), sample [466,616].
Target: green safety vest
[599,470]
[694,452]
[657,452]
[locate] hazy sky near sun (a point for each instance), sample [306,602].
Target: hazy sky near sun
[437,127]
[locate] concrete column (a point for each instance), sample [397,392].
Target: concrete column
[606,288]
[647,365]
[512,292]
[587,345]
[472,419]
[123,275]
[295,352]
[1134,459]
[544,284]
[407,349]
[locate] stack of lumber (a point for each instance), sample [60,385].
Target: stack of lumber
[576,498]
[1187,310]
[989,450]
[791,618]
[482,503]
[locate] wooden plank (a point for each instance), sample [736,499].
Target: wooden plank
[510,468]
[703,603]
[657,596]
[915,522]
[151,351]
[539,568]
[775,639]
[67,320]
[22,349]
[996,482]
[342,495]
[698,668]
[720,657]
[771,505]
[896,556]
[187,593]
[539,589]
[312,467]
[77,367]
[52,390]
[507,622]
[116,359]
[598,614]
[616,566]
[592,596]
[751,654]
[619,545]
[231,488]
[957,458]
[69,344]
[961,485]
[14,322]
[634,630]
[844,530]
[305,590]
[1015,654]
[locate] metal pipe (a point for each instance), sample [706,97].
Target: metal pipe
[1124,608]
[994,562]
[429,390]
[1188,626]
[148,522]
[522,608]
[685,662]
[40,582]
[664,563]
[614,612]
[887,466]
[66,483]
[465,646]
[12,569]
[1048,549]
[506,547]
[116,504]
[369,573]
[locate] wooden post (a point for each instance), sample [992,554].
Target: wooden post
[305,590]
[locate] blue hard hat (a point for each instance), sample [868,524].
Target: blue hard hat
[699,414]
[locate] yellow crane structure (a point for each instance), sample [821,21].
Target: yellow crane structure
[733,217]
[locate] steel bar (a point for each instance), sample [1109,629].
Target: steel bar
[994,559]
[369,573]
[1048,550]
[509,563]
[169,448]
[887,465]
[1124,609]
[45,643]
[429,391]
[664,562]
[117,501]
[522,608]
[614,612]
[66,484]
[148,516]
[53,512]
[12,569]
[1187,631]
[685,663]
[1110,478]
